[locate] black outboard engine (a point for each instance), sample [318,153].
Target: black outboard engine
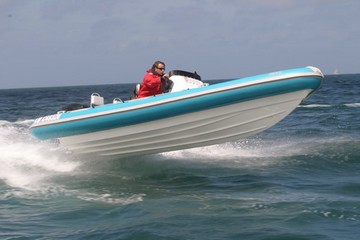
[193,75]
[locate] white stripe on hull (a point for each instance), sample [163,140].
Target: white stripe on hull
[202,128]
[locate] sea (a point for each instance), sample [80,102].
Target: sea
[297,180]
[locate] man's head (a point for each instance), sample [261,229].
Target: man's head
[159,67]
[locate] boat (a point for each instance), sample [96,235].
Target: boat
[191,114]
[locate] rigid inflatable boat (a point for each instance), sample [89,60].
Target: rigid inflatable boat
[191,114]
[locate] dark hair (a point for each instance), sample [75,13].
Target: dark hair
[156,64]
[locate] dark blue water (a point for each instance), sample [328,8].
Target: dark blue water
[297,180]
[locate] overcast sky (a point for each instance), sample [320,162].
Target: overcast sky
[83,42]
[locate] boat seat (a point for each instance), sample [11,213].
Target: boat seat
[136,91]
[96,100]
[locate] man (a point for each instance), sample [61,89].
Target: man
[154,81]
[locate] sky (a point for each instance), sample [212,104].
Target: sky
[46,43]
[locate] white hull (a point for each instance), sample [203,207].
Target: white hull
[202,128]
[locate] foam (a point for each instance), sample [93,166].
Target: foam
[315,106]
[256,152]
[24,161]
[352,104]
[33,169]
[112,199]
[328,106]
[252,153]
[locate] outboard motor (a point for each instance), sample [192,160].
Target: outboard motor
[183,80]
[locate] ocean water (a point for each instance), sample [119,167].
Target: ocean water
[297,180]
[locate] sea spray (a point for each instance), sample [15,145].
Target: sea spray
[26,162]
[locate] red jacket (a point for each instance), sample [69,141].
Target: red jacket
[151,85]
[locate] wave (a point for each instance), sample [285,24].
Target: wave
[25,162]
[352,105]
[32,169]
[42,169]
[315,106]
[112,199]
[329,106]
[258,152]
